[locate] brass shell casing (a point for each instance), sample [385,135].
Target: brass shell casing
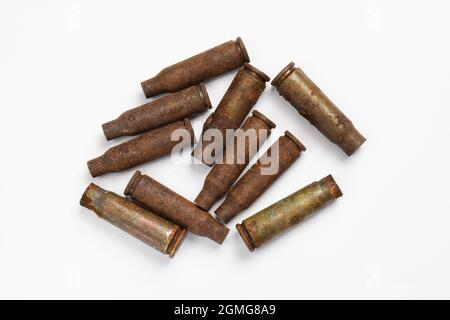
[241,96]
[275,219]
[222,176]
[157,113]
[155,231]
[146,147]
[173,207]
[254,183]
[305,96]
[203,66]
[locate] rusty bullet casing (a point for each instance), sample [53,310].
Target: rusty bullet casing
[173,207]
[241,96]
[305,96]
[146,147]
[273,220]
[155,231]
[208,64]
[157,113]
[222,176]
[254,182]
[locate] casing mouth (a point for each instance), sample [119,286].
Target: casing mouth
[151,87]
[331,186]
[96,167]
[110,130]
[85,200]
[352,141]
[91,198]
[204,200]
[218,232]
[227,211]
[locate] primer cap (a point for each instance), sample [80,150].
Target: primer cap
[258,73]
[283,74]
[258,114]
[133,182]
[242,48]
[204,94]
[295,140]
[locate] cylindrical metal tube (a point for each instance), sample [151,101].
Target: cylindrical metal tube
[305,96]
[155,231]
[275,219]
[255,181]
[213,62]
[174,207]
[241,96]
[222,176]
[157,113]
[146,147]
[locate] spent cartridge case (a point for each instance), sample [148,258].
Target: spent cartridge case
[157,113]
[272,221]
[155,231]
[174,207]
[305,96]
[144,148]
[260,176]
[222,176]
[241,96]
[208,64]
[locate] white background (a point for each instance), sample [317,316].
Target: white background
[66,67]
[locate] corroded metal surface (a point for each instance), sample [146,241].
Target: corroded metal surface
[241,96]
[222,176]
[295,86]
[146,147]
[157,113]
[213,62]
[255,181]
[174,207]
[272,221]
[155,231]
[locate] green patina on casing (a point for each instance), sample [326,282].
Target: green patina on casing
[273,220]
